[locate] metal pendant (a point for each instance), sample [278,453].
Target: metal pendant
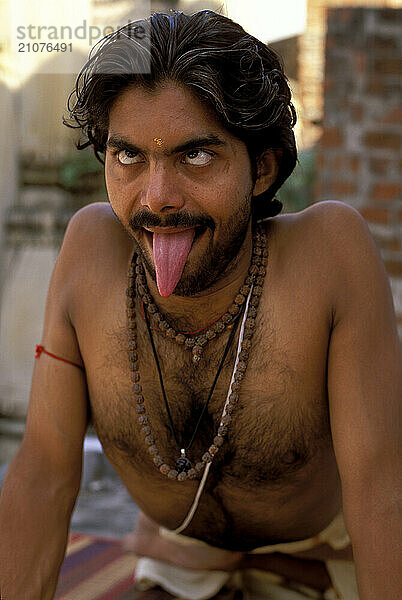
[183,463]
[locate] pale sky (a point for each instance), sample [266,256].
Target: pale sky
[268,20]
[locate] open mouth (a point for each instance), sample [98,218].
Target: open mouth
[149,236]
[170,249]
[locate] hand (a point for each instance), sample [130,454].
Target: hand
[146,540]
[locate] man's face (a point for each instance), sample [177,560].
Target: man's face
[171,166]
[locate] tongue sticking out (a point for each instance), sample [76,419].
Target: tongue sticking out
[170,255]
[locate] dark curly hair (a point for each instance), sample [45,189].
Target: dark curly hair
[241,78]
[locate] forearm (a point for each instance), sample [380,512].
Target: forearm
[310,572]
[378,556]
[35,510]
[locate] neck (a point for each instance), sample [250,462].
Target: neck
[191,313]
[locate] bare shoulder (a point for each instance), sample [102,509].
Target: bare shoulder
[357,270]
[330,218]
[331,232]
[95,249]
[95,225]
[330,244]
[345,239]
[339,221]
[94,237]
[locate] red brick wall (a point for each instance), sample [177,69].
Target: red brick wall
[359,153]
[311,63]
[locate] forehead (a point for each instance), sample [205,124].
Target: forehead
[166,114]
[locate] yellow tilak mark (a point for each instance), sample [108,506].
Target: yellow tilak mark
[158,141]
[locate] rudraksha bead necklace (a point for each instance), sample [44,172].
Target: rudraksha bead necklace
[183,468]
[197,343]
[183,463]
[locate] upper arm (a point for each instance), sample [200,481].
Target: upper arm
[57,415]
[364,376]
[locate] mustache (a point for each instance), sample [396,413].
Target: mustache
[145,218]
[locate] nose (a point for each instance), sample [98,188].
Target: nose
[161,192]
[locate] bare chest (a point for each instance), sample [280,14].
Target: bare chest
[275,476]
[276,428]
[279,435]
[278,441]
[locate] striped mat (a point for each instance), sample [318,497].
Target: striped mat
[96,569]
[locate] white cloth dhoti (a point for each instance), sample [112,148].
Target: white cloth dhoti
[195,584]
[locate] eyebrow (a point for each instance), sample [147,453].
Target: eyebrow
[116,141]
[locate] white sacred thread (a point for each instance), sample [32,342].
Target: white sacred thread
[194,506]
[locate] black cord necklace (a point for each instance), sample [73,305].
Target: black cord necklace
[183,463]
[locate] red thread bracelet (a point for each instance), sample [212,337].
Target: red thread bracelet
[39,349]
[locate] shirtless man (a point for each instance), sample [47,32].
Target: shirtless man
[315,426]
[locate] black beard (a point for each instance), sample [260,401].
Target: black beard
[216,261]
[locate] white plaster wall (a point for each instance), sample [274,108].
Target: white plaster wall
[43,102]
[21,320]
[8,161]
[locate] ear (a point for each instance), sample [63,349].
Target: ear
[267,170]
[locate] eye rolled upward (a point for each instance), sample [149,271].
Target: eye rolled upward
[127,157]
[197,157]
